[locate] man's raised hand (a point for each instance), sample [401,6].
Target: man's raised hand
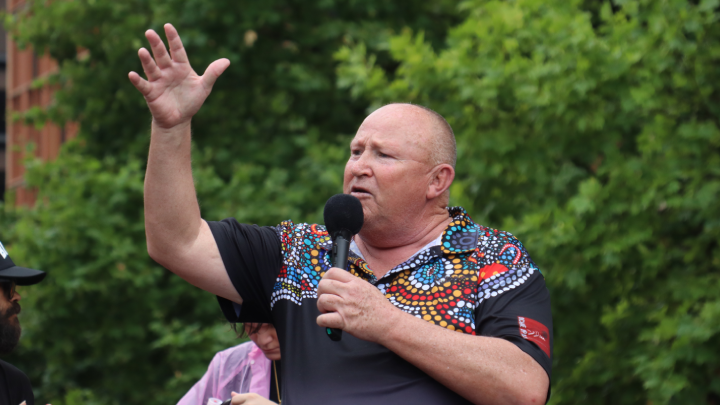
[173,91]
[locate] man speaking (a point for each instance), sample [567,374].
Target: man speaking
[435,309]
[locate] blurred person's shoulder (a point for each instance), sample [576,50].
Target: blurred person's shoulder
[241,351]
[15,384]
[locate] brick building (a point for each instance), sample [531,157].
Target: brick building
[3,58]
[23,67]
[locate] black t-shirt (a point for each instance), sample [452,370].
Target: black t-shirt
[477,280]
[14,386]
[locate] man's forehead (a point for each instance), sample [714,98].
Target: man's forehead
[398,116]
[395,122]
[388,137]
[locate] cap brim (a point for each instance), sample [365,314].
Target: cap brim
[22,275]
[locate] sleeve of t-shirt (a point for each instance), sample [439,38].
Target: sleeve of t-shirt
[252,257]
[522,317]
[515,304]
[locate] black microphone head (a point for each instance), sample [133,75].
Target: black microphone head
[343,212]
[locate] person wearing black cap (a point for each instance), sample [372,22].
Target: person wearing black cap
[15,388]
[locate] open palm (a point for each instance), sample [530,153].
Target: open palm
[173,91]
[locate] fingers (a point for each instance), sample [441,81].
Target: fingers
[249,398]
[339,274]
[329,302]
[177,50]
[214,71]
[141,84]
[333,287]
[162,57]
[152,72]
[331,320]
[237,399]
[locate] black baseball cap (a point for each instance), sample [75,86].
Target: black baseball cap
[20,275]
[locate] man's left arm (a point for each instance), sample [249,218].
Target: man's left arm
[485,370]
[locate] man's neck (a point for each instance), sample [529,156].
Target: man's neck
[383,259]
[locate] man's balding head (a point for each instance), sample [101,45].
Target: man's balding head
[444,149]
[401,166]
[439,136]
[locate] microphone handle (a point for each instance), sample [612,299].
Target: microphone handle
[340,250]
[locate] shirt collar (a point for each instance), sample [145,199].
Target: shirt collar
[460,236]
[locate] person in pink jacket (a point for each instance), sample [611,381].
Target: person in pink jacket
[243,372]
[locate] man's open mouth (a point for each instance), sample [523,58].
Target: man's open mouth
[358,190]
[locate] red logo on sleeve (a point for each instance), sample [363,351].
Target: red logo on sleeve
[535,332]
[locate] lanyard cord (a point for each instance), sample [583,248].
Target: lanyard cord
[277,386]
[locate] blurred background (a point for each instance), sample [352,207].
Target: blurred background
[589,129]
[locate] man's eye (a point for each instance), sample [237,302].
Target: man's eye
[382,155]
[356,152]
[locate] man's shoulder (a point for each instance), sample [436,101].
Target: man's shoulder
[19,388]
[13,373]
[240,351]
[300,228]
[303,235]
[232,361]
[495,251]
[491,238]
[465,235]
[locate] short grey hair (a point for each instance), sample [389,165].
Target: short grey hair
[443,148]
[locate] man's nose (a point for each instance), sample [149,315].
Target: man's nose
[360,166]
[16,297]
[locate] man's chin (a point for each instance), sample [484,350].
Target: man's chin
[9,335]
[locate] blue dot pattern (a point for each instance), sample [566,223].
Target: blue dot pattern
[442,284]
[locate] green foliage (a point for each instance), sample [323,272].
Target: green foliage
[280,85]
[270,145]
[588,129]
[79,397]
[108,324]
[591,133]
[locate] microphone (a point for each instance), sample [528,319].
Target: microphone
[343,218]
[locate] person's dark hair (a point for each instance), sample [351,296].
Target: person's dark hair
[244,330]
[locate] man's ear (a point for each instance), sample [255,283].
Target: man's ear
[442,177]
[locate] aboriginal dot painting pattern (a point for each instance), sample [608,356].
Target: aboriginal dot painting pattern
[305,250]
[443,285]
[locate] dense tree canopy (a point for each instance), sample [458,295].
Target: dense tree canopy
[594,137]
[588,129]
[269,144]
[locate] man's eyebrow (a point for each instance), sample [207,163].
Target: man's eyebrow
[357,142]
[380,144]
[372,142]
